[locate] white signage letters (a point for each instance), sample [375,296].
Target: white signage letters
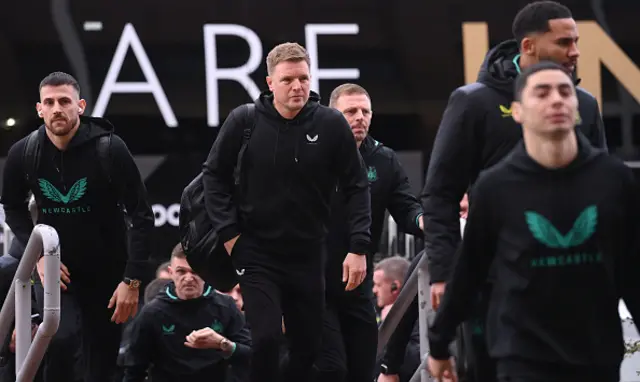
[111,85]
[240,74]
[311,32]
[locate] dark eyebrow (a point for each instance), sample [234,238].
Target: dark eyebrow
[61,99]
[542,87]
[566,40]
[356,108]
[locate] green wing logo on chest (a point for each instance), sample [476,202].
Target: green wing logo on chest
[545,232]
[76,192]
[217,327]
[168,329]
[372,174]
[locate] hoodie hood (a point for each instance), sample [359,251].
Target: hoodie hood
[264,104]
[90,129]
[521,159]
[168,294]
[370,146]
[499,69]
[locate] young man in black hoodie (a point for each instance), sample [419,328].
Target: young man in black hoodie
[557,220]
[274,226]
[100,268]
[477,131]
[350,337]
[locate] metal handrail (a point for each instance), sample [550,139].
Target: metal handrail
[406,296]
[417,283]
[18,301]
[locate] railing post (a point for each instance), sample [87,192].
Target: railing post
[424,302]
[28,366]
[18,300]
[392,246]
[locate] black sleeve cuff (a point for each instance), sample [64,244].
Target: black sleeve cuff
[439,351]
[359,247]
[136,269]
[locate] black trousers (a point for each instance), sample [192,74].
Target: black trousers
[517,370]
[556,379]
[349,334]
[480,367]
[277,284]
[85,347]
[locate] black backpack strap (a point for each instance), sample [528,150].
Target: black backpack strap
[31,158]
[250,124]
[103,149]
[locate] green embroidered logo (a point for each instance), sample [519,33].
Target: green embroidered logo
[217,326]
[76,192]
[168,329]
[583,228]
[372,174]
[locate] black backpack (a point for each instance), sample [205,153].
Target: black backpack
[205,254]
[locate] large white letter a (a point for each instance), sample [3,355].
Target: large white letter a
[111,85]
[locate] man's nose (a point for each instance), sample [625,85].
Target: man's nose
[574,52]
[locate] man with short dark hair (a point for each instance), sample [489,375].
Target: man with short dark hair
[350,333]
[557,221]
[475,133]
[274,224]
[103,257]
[189,332]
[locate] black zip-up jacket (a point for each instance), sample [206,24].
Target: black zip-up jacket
[290,170]
[159,332]
[390,190]
[74,196]
[564,246]
[475,133]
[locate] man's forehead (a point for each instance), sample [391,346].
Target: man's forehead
[563,28]
[56,92]
[180,263]
[353,99]
[548,78]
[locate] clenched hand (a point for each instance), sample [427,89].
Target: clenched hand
[354,270]
[65,276]
[206,338]
[442,370]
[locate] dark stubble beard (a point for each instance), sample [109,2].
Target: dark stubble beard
[67,129]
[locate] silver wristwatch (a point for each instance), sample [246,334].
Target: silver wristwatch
[226,345]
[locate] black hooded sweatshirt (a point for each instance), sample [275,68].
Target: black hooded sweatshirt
[564,245]
[291,167]
[390,190]
[76,198]
[160,330]
[475,133]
